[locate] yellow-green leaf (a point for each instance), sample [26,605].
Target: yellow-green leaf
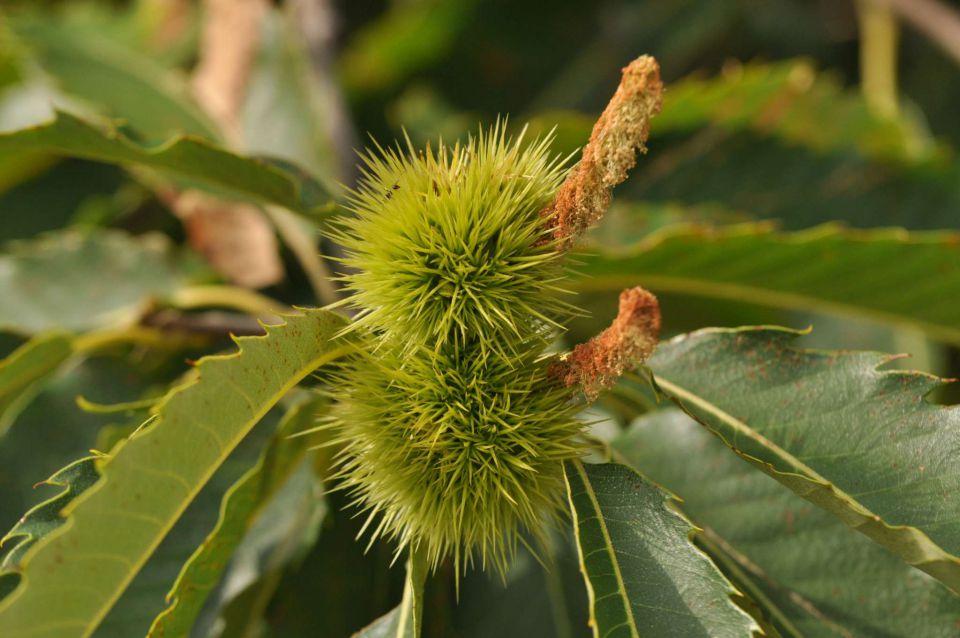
[25,368]
[72,577]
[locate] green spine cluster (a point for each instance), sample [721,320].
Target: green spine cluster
[453,434]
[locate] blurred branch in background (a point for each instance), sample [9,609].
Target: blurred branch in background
[879,36]
[937,20]
[239,239]
[318,26]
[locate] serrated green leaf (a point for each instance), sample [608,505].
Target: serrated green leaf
[70,281]
[56,432]
[815,577]
[144,598]
[72,577]
[406,620]
[23,370]
[187,159]
[75,478]
[644,575]
[240,505]
[825,269]
[861,443]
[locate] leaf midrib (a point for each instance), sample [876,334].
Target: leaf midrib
[137,565]
[799,469]
[608,545]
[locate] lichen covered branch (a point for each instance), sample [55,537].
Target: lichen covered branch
[628,342]
[617,136]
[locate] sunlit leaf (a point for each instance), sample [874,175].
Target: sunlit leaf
[148,481]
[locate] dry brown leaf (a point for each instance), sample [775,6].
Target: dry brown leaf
[235,238]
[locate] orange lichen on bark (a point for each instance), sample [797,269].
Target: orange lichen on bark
[618,135]
[627,343]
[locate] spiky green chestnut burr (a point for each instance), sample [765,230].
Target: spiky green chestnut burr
[455,452]
[453,435]
[448,244]
[453,424]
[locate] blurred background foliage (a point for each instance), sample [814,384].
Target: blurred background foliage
[780,116]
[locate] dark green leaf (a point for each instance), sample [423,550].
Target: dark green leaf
[189,159]
[814,576]
[862,443]
[240,505]
[302,599]
[826,269]
[644,575]
[406,620]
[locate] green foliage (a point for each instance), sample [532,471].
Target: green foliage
[71,281]
[146,483]
[193,161]
[44,518]
[825,269]
[113,78]
[22,372]
[57,432]
[810,575]
[406,620]
[241,504]
[145,598]
[624,523]
[815,489]
[785,409]
[791,101]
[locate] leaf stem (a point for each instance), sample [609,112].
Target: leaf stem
[229,297]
